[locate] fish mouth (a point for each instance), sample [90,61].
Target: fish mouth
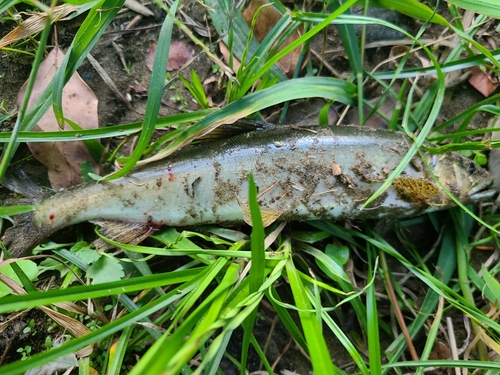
[481,188]
[482,195]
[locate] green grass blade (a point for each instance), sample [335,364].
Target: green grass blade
[489,7]
[296,43]
[492,284]
[88,34]
[445,68]
[213,306]
[346,342]
[308,87]
[445,363]
[351,46]
[196,89]
[446,265]
[433,283]
[7,4]
[480,284]
[118,350]
[249,75]
[431,336]
[372,332]
[78,343]
[411,8]
[94,25]
[9,151]
[58,83]
[155,92]
[317,348]
[169,354]
[286,318]
[463,226]
[15,210]
[77,293]
[228,21]
[107,132]
[257,269]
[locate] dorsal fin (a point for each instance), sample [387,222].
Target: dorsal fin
[239,127]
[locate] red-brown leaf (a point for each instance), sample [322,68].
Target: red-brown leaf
[63,159]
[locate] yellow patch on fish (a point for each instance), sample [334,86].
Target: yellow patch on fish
[415,190]
[269,216]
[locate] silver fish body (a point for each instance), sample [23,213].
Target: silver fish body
[300,174]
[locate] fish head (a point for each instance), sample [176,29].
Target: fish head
[465,179]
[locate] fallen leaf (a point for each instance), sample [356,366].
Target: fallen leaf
[483,82]
[267,18]
[440,351]
[224,50]
[178,55]
[79,105]
[138,91]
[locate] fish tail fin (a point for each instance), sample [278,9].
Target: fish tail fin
[25,235]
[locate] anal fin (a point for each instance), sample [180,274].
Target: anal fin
[123,232]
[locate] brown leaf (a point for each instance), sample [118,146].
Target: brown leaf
[150,58]
[79,105]
[440,351]
[178,55]
[482,82]
[226,54]
[267,18]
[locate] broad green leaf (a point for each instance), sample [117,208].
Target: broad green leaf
[339,254]
[106,269]
[29,268]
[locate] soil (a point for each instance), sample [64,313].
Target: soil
[15,69]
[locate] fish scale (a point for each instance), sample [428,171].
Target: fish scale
[301,174]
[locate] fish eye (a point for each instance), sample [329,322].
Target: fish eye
[472,168]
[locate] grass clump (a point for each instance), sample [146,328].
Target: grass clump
[183,315]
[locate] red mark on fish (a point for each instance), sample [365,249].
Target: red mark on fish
[170,173]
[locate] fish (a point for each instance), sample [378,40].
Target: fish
[300,173]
